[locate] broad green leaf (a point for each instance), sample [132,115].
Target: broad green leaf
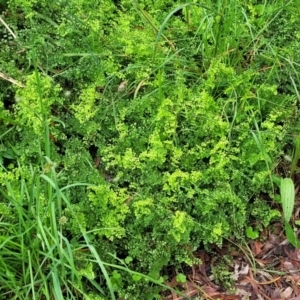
[252,234]
[181,278]
[287,192]
[128,259]
[291,236]
[136,277]
[276,180]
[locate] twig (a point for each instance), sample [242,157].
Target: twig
[5,77]
[10,31]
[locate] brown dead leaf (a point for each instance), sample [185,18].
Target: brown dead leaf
[244,295]
[263,262]
[122,86]
[256,247]
[97,162]
[265,276]
[240,269]
[190,289]
[13,81]
[276,295]
[289,267]
[270,245]
[287,293]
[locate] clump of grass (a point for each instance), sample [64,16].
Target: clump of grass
[38,261]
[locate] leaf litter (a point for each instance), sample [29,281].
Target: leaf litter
[266,269]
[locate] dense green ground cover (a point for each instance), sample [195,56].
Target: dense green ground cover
[137,131]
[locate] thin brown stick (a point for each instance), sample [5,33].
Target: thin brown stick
[5,77]
[6,26]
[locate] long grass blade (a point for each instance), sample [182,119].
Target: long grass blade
[164,23]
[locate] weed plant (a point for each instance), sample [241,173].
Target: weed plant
[137,132]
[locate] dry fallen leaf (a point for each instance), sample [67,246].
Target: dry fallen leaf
[244,294]
[241,269]
[287,293]
[289,267]
[122,86]
[264,275]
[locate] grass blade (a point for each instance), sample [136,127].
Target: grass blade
[164,23]
[291,236]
